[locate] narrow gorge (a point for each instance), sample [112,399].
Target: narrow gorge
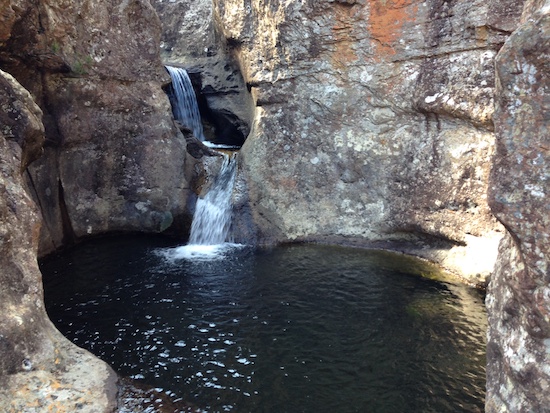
[419,127]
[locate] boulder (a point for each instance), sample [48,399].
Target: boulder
[114,160]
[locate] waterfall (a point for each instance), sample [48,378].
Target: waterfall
[184,101]
[212,220]
[211,224]
[210,237]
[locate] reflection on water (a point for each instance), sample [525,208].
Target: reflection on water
[293,329]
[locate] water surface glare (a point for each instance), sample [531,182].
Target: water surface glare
[294,329]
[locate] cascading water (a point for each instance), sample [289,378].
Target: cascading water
[210,236]
[212,220]
[184,101]
[211,224]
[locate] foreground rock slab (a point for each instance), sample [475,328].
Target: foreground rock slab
[80,383]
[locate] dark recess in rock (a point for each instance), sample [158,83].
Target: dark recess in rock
[220,126]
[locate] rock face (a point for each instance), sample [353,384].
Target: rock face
[114,160]
[190,40]
[373,122]
[39,369]
[518,351]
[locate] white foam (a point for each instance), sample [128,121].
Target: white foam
[195,252]
[220,146]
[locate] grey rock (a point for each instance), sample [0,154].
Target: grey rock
[114,160]
[190,40]
[37,361]
[518,300]
[372,123]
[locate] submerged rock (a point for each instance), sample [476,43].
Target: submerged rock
[195,147]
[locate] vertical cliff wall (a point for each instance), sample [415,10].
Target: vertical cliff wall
[518,351]
[373,122]
[114,161]
[40,370]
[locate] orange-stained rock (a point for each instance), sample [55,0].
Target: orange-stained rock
[386,22]
[380,112]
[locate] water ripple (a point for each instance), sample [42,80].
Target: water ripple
[301,329]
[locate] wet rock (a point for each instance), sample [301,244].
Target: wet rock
[195,147]
[518,302]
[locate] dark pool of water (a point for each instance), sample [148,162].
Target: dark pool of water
[294,329]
